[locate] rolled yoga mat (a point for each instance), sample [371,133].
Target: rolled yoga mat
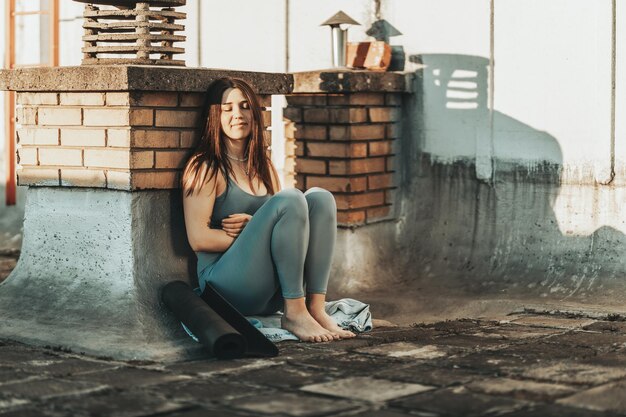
[215,333]
[257,343]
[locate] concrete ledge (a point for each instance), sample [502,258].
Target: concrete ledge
[135,77]
[89,274]
[351,81]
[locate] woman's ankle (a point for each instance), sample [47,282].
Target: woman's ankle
[316,303]
[294,307]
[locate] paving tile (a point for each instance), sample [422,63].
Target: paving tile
[383,413]
[457,402]
[603,342]
[469,342]
[607,326]
[522,390]
[412,334]
[7,404]
[574,373]
[540,350]
[204,391]
[284,376]
[58,366]
[214,367]
[429,375]
[19,355]
[507,332]
[35,412]
[609,397]
[293,405]
[10,374]
[350,364]
[124,404]
[552,410]
[366,389]
[204,412]
[405,350]
[125,377]
[50,388]
[461,326]
[556,322]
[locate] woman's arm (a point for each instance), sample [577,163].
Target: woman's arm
[198,208]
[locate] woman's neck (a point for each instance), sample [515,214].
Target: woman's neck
[235,149]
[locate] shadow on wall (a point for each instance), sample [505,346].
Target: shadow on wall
[477,196]
[11,222]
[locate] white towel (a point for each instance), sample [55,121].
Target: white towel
[349,314]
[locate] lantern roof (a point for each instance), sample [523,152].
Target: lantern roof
[340,18]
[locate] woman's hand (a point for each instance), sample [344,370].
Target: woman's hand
[234,224]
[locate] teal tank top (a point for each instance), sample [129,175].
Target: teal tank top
[232,200]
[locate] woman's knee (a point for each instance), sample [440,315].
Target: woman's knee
[291,200]
[321,200]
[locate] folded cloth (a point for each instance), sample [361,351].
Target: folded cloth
[349,314]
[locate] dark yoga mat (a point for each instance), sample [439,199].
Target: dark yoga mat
[217,324]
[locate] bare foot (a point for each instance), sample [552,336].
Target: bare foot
[306,328]
[329,324]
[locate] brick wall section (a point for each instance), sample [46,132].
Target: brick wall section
[116,140]
[345,144]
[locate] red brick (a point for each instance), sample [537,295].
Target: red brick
[378,148]
[390,162]
[356,166]
[293,114]
[171,159]
[267,118]
[155,138]
[300,149]
[160,180]
[352,201]
[316,115]
[192,99]
[307,100]
[367,131]
[174,118]
[367,99]
[393,99]
[383,114]
[351,217]
[310,166]
[376,182]
[338,99]
[311,132]
[378,213]
[348,115]
[189,138]
[336,150]
[154,99]
[394,130]
[337,184]
[300,181]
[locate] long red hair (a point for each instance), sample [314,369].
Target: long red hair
[210,154]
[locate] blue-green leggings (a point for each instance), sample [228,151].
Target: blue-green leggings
[288,244]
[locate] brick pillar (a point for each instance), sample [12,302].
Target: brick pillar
[101,150]
[134,140]
[345,132]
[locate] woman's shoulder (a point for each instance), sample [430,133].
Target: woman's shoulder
[199,176]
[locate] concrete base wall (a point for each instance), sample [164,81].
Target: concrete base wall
[11,221]
[90,270]
[462,246]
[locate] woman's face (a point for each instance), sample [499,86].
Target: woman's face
[236,118]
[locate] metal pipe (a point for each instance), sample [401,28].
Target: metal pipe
[339,37]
